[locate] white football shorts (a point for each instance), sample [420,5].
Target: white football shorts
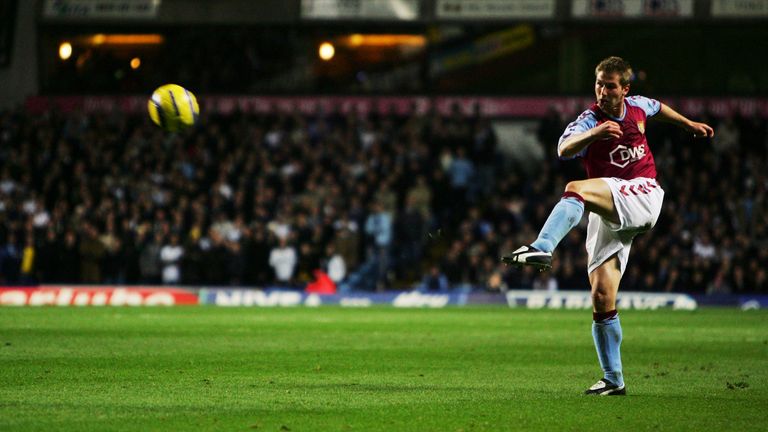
[638,203]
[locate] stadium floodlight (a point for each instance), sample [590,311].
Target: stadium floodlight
[65,50]
[326,51]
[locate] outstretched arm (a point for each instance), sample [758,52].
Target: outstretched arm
[700,130]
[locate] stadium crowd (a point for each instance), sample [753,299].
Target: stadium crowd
[375,202]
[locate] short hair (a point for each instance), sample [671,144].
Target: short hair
[616,65]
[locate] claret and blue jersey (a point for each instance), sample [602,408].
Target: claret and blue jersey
[626,157]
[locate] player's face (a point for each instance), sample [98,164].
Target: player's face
[610,93]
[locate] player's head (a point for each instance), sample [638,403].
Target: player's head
[615,65]
[612,77]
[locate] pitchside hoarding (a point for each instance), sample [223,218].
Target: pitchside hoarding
[514,299]
[273,298]
[66,295]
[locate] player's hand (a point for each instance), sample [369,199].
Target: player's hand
[701,130]
[607,130]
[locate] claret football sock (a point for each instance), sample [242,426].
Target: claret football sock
[565,215]
[607,335]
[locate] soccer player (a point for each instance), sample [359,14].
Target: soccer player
[621,195]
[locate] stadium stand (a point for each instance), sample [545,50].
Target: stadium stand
[92,198]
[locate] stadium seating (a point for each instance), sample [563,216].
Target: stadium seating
[98,198]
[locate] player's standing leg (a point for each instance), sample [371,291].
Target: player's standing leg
[593,195]
[606,327]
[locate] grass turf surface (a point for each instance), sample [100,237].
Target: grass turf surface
[334,369]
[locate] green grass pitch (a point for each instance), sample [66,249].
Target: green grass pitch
[335,369]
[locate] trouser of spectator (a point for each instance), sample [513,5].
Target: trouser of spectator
[380,256]
[408,258]
[486,174]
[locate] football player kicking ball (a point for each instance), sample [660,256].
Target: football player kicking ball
[621,194]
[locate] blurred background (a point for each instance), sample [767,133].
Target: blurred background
[366,145]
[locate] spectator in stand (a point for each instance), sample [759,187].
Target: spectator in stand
[387,198]
[171,255]
[307,262]
[347,241]
[721,283]
[728,136]
[91,253]
[461,171]
[703,247]
[378,227]
[550,128]
[483,153]
[28,260]
[215,258]
[149,258]
[434,281]
[114,261]
[236,263]
[257,269]
[441,197]
[410,233]
[420,197]
[283,259]
[334,264]
[130,257]
[454,264]
[46,267]
[132,182]
[10,260]
[192,263]
[489,275]
[68,258]
[544,281]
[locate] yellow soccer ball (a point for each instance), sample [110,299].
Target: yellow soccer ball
[173,108]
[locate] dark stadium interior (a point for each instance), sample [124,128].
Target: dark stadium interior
[554,59]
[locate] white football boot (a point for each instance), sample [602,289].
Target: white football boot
[529,255]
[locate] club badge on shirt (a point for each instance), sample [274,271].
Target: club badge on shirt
[641,126]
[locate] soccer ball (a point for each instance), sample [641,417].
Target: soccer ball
[173,108]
